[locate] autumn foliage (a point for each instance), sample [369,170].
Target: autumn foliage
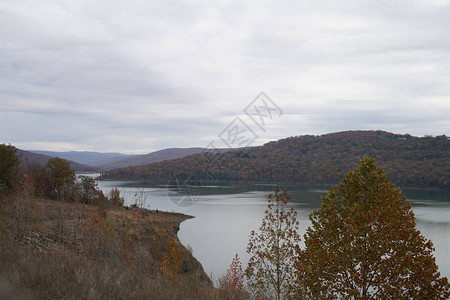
[271,266]
[115,198]
[234,279]
[363,244]
[410,161]
[171,261]
[58,177]
[8,161]
[97,235]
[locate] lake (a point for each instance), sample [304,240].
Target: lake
[226,213]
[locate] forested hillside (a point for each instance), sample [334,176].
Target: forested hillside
[410,161]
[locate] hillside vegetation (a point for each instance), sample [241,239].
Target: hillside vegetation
[410,161]
[62,238]
[56,250]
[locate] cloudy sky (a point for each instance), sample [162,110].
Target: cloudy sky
[139,76]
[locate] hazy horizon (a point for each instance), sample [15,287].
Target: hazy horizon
[129,153]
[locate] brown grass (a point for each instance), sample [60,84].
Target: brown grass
[63,252]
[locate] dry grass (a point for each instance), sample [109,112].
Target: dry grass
[63,275]
[63,252]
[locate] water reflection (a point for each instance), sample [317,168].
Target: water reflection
[226,213]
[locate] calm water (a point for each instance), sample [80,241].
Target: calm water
[225,215]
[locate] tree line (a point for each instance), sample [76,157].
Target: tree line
[54,180]
[410,161]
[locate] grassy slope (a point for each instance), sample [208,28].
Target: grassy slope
[56,254]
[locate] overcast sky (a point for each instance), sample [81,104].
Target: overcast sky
[139,76]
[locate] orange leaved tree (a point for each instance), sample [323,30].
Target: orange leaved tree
[270,268]
[172,260]
[234,279]
[363,244]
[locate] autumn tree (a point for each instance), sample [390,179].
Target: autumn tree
[88,190]
[34,171]
[115,198]
[20,209]
[234,279]
[59,176]
[8,160]
[271,265]
[363,244]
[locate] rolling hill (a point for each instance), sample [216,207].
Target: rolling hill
[409,161]
[157,156]
[107,161]
[85,157]
[29,157]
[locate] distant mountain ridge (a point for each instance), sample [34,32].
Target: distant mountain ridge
[107,161]
[157,156]
[30,157]
[325,159]
[85,157]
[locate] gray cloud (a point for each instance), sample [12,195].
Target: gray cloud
[141,76]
